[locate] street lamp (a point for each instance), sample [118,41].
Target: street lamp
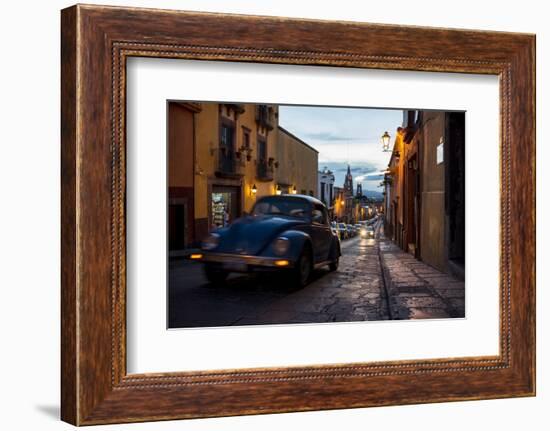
[254,190]
[386,142]
[294,191]
[277,190]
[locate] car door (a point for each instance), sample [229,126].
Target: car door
[321,234]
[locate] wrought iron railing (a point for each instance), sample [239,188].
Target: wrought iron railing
[264,171]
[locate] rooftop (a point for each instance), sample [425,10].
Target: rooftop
[282,129]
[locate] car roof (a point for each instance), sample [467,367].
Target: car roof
[309,198]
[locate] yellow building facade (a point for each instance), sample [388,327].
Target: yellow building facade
[224,156]
[297,165]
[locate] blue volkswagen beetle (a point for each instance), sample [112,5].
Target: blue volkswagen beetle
[288,233]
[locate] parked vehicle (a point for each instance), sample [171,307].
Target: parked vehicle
[351,230]
[344,234]
[289,233]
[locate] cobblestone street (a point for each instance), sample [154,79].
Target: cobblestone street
[375,281]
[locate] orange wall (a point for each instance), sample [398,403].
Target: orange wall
[180,151]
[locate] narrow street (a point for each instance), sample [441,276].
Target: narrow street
[375,281]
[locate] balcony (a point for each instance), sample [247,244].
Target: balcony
[264,171]
[265,116]
[228,166]
[239,108]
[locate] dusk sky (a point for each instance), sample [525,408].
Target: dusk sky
[345,135]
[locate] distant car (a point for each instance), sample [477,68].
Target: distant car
[366,232]
[370,232]
[351,230]
[285,232]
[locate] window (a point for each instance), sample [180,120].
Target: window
[319,214]
[281,206]
[246,138]
[264,171]
[226,138]
[262,150]
[226,161]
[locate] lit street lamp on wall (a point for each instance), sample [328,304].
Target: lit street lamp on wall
[386,142]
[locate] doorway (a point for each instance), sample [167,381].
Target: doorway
[225,205]
[177,227]
[412,208]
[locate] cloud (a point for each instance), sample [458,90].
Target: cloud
[344,135]
[372,176]
[357,168]
[328,136]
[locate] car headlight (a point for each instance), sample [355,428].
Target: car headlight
[211,241]
[281,245]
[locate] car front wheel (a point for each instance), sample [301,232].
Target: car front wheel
[302,271]
[214,274]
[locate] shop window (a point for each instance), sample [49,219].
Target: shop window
[225,205]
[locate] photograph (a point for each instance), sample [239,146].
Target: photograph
[293,214]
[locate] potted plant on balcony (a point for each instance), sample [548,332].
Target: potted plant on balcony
[248,151]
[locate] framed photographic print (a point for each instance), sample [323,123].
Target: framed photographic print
[258,216]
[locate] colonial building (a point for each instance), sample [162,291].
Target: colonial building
[221,158]
[344,206]
[424,189]
[326,187]
[217,154]
[297,164]
[350,206]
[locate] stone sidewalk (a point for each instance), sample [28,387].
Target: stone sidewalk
[416,290]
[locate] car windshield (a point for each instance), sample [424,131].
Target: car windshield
[282,206]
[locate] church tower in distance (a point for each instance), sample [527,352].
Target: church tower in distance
[348,183]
